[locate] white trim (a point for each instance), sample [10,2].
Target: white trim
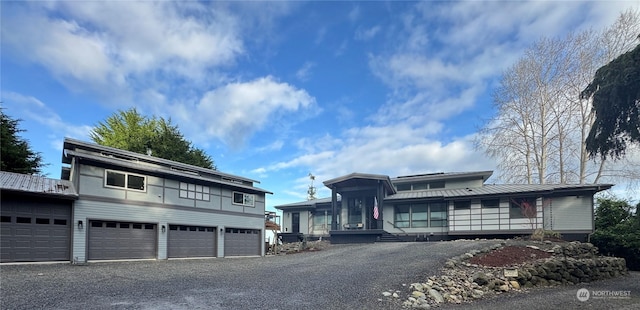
[244,199]
[126,180]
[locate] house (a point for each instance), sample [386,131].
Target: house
[439,206]
[132,206]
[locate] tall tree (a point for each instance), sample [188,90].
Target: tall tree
[131,131]
[616,101]
[17,155]
[538,133]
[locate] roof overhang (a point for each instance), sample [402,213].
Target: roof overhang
[357,179]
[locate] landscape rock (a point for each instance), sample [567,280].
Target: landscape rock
[436,296]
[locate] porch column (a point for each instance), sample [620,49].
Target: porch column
[380,197]
[334,208]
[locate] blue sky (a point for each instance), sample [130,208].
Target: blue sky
[276,90]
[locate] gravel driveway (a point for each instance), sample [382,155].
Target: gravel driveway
[341,277]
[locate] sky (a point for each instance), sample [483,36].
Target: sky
[276,90]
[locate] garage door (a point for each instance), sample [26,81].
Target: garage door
[242,242]
[191,241]
[122,240]
[34,231]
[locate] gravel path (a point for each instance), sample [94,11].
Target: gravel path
[341,277]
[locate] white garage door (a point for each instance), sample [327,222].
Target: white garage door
[242,242]
[191,241]
[122,240]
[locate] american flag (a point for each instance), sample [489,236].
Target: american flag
[375,208]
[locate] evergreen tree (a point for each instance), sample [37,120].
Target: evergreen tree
[16,154]
[131,131]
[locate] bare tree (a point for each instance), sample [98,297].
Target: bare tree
[541,123]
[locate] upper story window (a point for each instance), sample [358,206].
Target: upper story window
[244,199]
[419,186]
[194,191]
[124,180]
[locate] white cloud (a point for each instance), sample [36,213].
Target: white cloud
[104,47]
[235,111]
[304,73]
[33,109]
[367,34]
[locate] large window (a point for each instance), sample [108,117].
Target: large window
[124,180]
[322,220]
[419,186]
[194,191]
[244,199]
[421,215]
[520,208]
[438,214]
[403,216]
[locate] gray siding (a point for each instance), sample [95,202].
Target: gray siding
[97,210]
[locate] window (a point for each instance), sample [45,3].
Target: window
[124,180]
[23,220]
[462,205]
[491,203]
[194,191]
[419,215]
[419,186]
[403,187]
[5,219]
[520,208]
[434,185]
[402,216]
[60,222]
[322,220]
[244,199]
[438,214]
[42,221]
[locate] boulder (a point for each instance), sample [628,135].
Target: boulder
[436,296]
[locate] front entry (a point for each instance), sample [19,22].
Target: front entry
[295,222]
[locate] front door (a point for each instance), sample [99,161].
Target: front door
[295,222]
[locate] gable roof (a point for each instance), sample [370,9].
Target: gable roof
[37,185]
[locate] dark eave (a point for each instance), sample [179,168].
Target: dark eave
[355,177]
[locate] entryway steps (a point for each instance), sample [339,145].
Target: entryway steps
[388,237]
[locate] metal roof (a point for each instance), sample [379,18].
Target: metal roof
[72,144]
[306,203]
[495,190]
[33,184]
[386,181]
[160,170]
[442,176]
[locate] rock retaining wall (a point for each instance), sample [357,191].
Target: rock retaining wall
[462,281]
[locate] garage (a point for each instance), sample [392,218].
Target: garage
[34,229]
[242,242]
[122,240]
[191,241]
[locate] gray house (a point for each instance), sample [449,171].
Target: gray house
[439,206]
[133,206]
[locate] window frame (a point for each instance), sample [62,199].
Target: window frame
[519,215]
[244,199]
[194,191]
[467,205]
[126,180]
[485,206]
